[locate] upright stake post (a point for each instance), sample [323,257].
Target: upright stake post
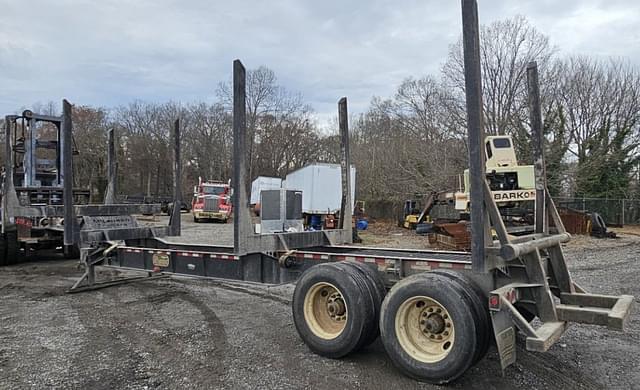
[112,177]
[176,223]
[67,178]
[8,171]
[473,86]
[241,221]
[30,154]
[346,210]
[535,117]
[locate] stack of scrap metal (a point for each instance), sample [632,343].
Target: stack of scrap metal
[453,236]
[575,221]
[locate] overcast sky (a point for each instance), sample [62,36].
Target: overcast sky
[111,52]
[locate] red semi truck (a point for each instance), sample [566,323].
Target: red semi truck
[211,201]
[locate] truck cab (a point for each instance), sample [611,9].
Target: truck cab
[211,201]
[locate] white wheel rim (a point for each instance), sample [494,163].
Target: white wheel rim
[425,329]
[325,310]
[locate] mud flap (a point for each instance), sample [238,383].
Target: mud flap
[505,334]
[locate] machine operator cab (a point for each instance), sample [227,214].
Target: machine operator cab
[509,182]
[499,151]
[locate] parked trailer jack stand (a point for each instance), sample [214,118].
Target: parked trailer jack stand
[96,257]
[99,236]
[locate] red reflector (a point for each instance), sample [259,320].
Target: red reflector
[494,301]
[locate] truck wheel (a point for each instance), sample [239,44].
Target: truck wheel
[196,219]
[480,306]
[12,249]
[332,309]
[376,291]
[428,328]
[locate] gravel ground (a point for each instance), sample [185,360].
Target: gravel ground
[194,333]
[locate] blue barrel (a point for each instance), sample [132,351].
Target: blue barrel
[362,224]
[316,222]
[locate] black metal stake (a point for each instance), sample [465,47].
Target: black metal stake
[67,178]
[241,222]
[477,174]
[176,223]
[110,196]
[346,211]
[8,171]
[535,116]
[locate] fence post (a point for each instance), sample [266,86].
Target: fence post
[622,224]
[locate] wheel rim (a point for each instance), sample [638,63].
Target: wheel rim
[425,329]
[325,310]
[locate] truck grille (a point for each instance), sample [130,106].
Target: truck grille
[211,204]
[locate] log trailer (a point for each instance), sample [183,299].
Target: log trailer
[436,312]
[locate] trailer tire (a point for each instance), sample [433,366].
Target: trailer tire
[332,309]
[428,328]
[369,294]
[480,305]
[196,219]
[377,291]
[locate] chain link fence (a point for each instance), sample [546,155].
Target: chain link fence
[613,211]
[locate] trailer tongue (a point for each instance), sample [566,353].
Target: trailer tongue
[443,309]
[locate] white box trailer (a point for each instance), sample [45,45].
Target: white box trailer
[263,183]
[321,186]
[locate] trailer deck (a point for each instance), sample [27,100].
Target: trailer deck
[218,261]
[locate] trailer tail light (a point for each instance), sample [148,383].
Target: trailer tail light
[494,302]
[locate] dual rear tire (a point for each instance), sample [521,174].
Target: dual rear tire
[336,308]
[434,326]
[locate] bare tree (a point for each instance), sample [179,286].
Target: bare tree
[90,126]
[506,47]
[601,104]
[272,109]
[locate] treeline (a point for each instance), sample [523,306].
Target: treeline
[403,146]
[415,141]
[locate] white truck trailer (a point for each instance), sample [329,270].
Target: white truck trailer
[321,186]
[263,183]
